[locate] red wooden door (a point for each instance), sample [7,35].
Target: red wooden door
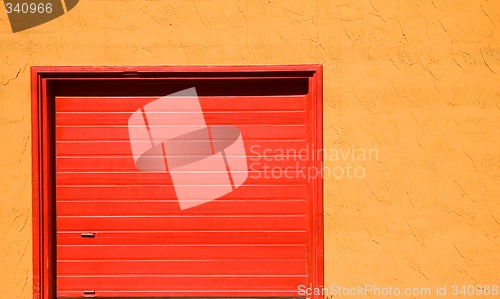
[120,231]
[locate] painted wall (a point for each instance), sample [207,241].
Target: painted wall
[417,81]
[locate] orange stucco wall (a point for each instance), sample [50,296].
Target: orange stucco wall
[417,81]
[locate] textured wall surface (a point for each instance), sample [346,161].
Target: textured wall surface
[417,81]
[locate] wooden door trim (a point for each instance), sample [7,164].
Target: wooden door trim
[43,92]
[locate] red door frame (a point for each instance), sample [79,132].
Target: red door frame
[43,92]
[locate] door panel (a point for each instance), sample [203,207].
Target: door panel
[251,242]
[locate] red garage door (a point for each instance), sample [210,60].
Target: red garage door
[157,227]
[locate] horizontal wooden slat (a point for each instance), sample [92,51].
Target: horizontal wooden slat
[179,282]
[133,239]
[112,164]
[219,293]
[208,104]
[165,192]
[128,240]
[240,119]
[193,234]
[216,207]
[120,133]
[169,267]
[177,238]
[102,148]
[180,222]
[180,252]
[259,175]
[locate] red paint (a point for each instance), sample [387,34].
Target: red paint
[263,239]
